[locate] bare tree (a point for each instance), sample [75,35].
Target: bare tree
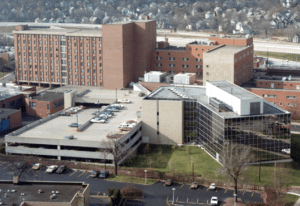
[115,147]
[235,160]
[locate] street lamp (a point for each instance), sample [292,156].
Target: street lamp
[173,194]
[98,106]
[145,176]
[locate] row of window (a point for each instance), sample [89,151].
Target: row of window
[51,55]
[61,37]
[174,65]
[62,43]
[81,64]
[183,59]
[275,96]
[243,55]
[298,86]
[63,49]
[64,69]
[287,104]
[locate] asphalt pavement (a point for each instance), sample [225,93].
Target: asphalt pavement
[9,78]
[156,194]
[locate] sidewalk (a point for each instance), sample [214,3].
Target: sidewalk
[297,203]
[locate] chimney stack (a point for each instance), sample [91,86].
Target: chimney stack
[166,39]
[147,18]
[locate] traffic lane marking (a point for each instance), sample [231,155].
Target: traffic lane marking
[182,185]
[98,193]
[73,173]
[7,165]
[81,174]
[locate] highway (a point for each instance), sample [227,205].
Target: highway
[259,45]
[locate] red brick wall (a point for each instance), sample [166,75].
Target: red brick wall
[277,84]
[192,52]
[15,120]
[13,98]
[5,60]
[232,41]
[281,100]
[241,67]
[41,109]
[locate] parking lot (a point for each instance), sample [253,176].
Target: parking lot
[156,194]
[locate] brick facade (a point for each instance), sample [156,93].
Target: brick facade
[4,60]
[15,119]
[42,108]
[111,59]
[285,99]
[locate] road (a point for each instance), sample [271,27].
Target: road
[7,79]
[156,194]
[259,45]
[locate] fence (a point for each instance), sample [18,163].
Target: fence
[137,173]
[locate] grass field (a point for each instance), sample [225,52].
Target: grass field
[131,179]
[290,200]
[165,159]
[283,56]
[2,74]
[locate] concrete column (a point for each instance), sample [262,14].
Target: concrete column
[6,144]
[58,147]
[59,157]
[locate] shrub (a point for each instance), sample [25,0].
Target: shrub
[115,196]
[131,192]
[174,147]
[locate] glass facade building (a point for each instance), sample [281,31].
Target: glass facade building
[267,134]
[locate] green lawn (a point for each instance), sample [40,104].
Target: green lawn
[290,200]
[131,179]
[165,159]
[284,56]
[2,74]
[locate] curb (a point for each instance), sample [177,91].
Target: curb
[133,182]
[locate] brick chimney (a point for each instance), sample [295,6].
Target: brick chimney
[147,18]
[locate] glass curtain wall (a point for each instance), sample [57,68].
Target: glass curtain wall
[190,121]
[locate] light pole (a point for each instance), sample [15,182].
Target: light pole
[173,194]
[145,176]
[234,199]
[98,106]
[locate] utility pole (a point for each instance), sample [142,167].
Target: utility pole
[274,173]
[193,172]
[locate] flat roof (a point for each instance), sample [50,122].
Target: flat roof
[4,112]
[66,191]
[63,31]
[185,74]
[198,93]
[133,21]
[227,49]
[171,48]
[234,90]
[48,96]
[57,128]
[10,90]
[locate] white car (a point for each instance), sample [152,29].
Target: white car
[288,151]
[124,101]
[104,116]
[212,186]
[118,105]
[214,201]
[98,120]
[52,169]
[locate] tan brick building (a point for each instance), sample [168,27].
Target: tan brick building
[110,57]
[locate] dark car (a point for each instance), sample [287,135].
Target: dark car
[64,114]
[104,174]
[69,137]
[142,94]
[96,113]
[169,182]
[74,125]
[95,173]
[61,169]
[108,112]
[21,165]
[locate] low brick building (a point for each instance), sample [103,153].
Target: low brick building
[10,119]
[44,104]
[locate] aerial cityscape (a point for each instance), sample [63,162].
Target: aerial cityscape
[149,103]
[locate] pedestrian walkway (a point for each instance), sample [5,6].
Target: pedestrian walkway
[297,203]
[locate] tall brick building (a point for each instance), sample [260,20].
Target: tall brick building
[230,55]
[110,57]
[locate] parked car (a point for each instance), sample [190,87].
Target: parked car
[123,101]
[104,174]
[98,120]
[110,114]
[52,169]
[288,151]
[64,114]
[169,182]
[212,186]
[104,116]
[112,110]
[141,94]
[214,201]
[21,165]
[96,112]
[69,137]
[121,106]
[194,185]
[95,173]
[61,169]
[74,125]
[37,166]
